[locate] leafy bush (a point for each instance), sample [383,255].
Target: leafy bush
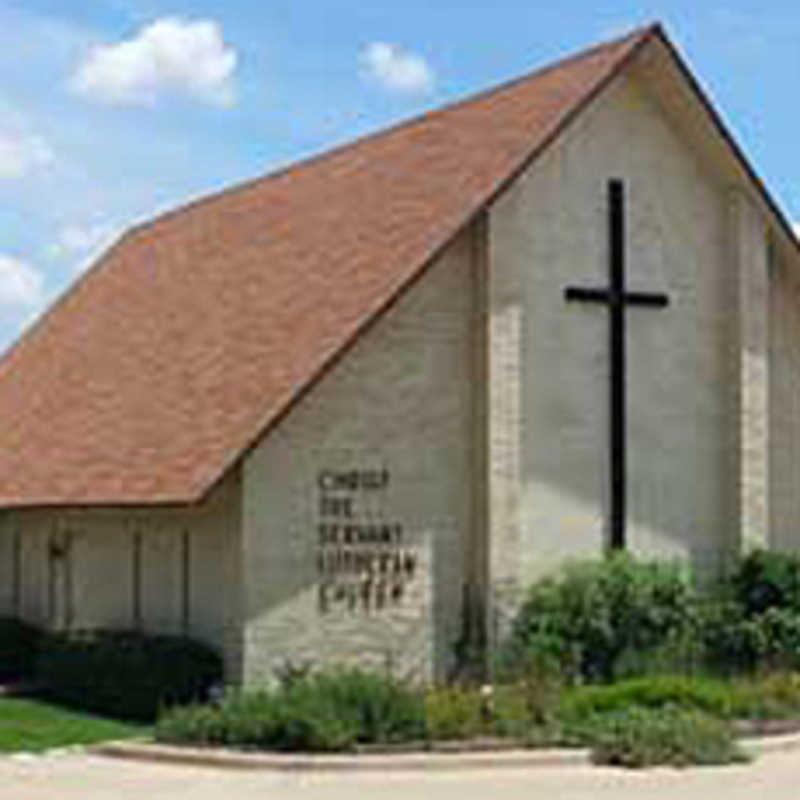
[126,674]
[454,712]
[766,579]
[643,737]
[714,697]
[771,697]
[767,641]
[382,709]
[323,712]
[774,696]
[19,645]
[593,613]
[752,623]
[682,652]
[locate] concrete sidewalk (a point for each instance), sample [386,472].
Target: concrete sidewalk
[90,777]
[504,758]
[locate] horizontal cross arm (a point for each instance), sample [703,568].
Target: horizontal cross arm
[586,294]
[647,299]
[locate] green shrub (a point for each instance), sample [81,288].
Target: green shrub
[323,712]
[737,643]
[208,725]
[682,652]
[126,674]
[709,695]
[752,622]
[766,579]
[454,712]
[643,737]
[593,613]
[19,646]
[260,720]
[773,696]
[770,697]
[519,713]
[382,709]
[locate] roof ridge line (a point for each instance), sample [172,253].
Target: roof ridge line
[643,31]
[137,229]
[332,358]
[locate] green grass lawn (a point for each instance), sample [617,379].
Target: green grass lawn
[34,725]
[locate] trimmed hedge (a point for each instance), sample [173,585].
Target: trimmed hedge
[715,697]
[775,696]
[323,712]
[19,647]
[126,674]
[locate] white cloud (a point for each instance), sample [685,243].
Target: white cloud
[80,238]
[85,243]
[796,229]
[21,286]
[171,55]
[395,68]
[21,153]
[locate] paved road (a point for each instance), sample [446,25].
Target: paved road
[68,776]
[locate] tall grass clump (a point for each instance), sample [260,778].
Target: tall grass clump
[322,712]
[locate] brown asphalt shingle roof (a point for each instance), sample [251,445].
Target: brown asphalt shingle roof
[197,331]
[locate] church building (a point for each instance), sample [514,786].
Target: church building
[350,410]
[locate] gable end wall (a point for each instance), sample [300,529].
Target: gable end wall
[549,359]
[400,401]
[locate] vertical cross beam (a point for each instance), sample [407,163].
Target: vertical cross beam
[616,297]
[616,333]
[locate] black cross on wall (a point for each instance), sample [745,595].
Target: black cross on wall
[616,298]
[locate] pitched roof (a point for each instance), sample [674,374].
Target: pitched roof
[198,331]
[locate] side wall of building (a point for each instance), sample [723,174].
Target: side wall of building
[357,507]
[549,358]
[159,570]
[784,401]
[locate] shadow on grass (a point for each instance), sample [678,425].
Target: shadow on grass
[34,722]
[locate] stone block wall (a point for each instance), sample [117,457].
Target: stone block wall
[784,401]
[322,583]
[549,359]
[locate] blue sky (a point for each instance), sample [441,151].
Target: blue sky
[112,111]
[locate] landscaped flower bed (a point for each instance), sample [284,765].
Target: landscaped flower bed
[625,658]
[584,666]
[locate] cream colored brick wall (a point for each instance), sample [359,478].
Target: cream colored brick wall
[7,599]
[784,398]
[162,577]
[399,400]
[102,574]
[549,442]
[91,585]
[748,250]
[34,583]
[506,370]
